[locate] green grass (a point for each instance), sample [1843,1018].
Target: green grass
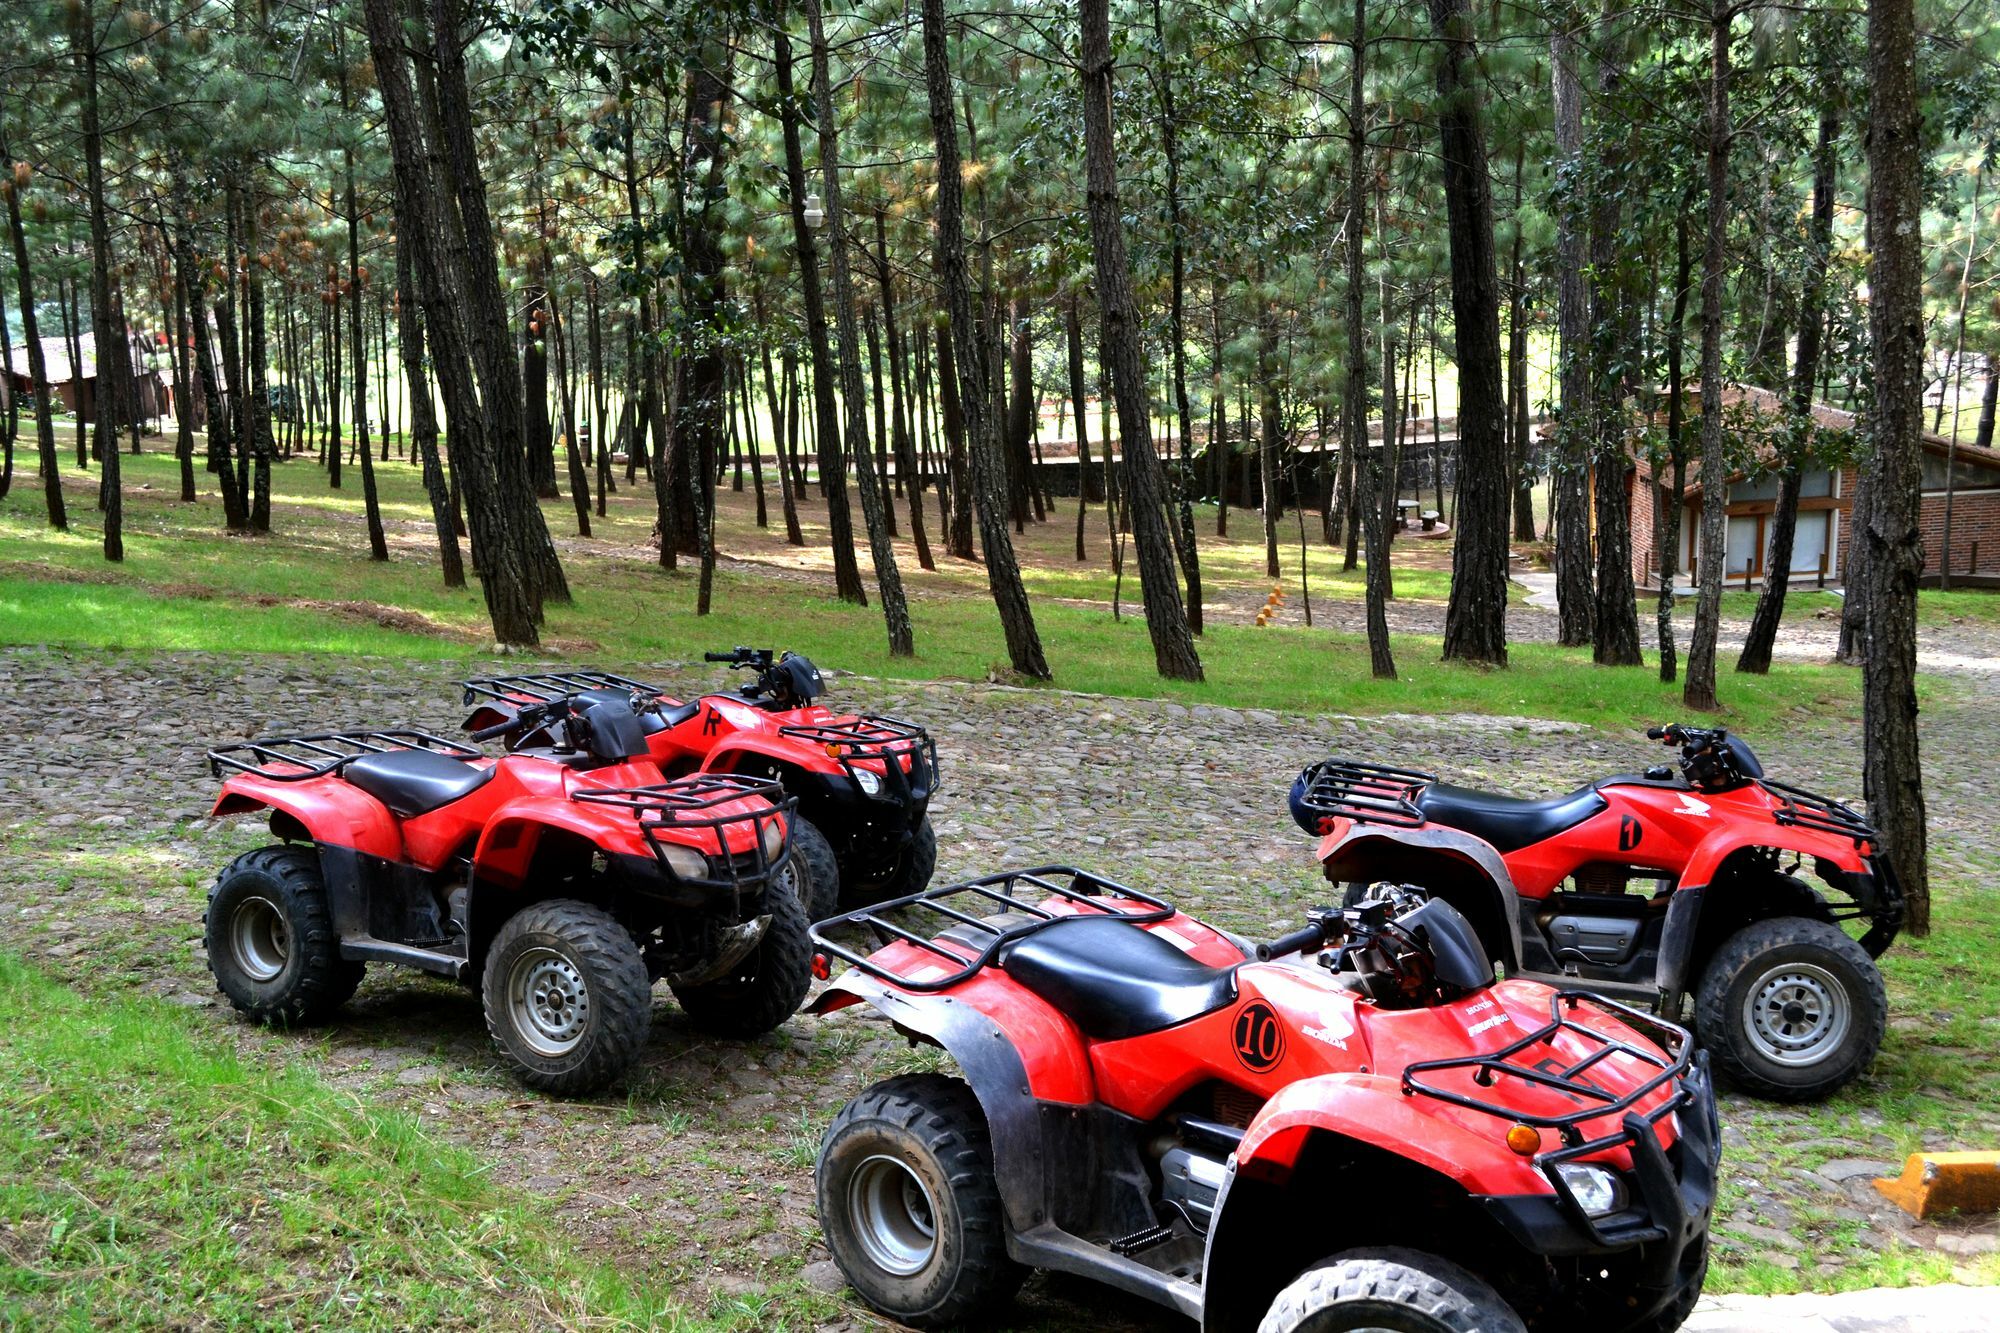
[150,1177]
[310,588]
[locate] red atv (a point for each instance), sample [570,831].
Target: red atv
[863,783]
[1380,1137]
[1653,887]
[560,884]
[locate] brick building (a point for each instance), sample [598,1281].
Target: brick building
[1826,501]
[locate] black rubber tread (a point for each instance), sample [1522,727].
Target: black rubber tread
[814,861]
[935,1123]
[912,874]
[1405,1290]
[771,982]
[316,980]
[614,972]
[1719,1006]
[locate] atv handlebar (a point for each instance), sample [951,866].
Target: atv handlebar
[743,657]
[1322,924]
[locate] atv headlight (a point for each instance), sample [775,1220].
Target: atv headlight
[1597,1191]
[869,782]
[772,839]
[685,861]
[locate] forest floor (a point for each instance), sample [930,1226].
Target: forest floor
[162,1162]
[386,1170]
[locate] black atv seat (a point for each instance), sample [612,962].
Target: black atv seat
[1508,822]
[680,713]
[1114,979]
[415,782]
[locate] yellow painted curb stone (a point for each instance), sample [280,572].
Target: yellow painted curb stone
[1945,1182]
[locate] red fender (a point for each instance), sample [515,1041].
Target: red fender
[1732,836]
[727,756]
[1371,1109]
[331,811]
[506,848]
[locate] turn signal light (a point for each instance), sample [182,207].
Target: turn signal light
[824,970]
[1524,1139]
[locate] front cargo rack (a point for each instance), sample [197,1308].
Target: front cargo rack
[1369,793]
[665,810]
[1594,1102]
[297,758]
[546,686]
[885,740]
[982,937]
[1799,808]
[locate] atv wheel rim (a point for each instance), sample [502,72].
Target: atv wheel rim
[259,942]
[549,1001]
[893,1216]
[1797,1014]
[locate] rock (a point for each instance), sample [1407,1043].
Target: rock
[1843,1169]
[824,1276]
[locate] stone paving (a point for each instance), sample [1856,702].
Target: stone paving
[700,1169]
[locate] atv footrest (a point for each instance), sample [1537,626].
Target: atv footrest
[983,936]
[296,758]
[1142,1240]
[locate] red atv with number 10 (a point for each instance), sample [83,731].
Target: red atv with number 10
[1652,887]
[1377,1136]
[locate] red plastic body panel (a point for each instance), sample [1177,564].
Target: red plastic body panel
[1685,835]
[499,825]
[1336,1067]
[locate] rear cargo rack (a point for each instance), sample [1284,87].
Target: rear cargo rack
[297,758]
[1092,895]
[1800,808]
[666,809]
[871,736]
[1369,793]
[551,685]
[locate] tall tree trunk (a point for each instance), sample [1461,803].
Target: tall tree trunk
[1189,551]
[1668,504]
[378,545]
[1517,371]
[1893,533]
[1166,616]
[1575,596]
[1073,337]
[1763,635]
[1010,597]
[888,578]
[1475,626]
[909,470]
[701,424]
[832,461]
[951,414]
[485,320]
[425,213]
[423,420]
[1614,336]
[1363,465]
[114,368]
[1272,431]
[38,373]
[1699,692]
